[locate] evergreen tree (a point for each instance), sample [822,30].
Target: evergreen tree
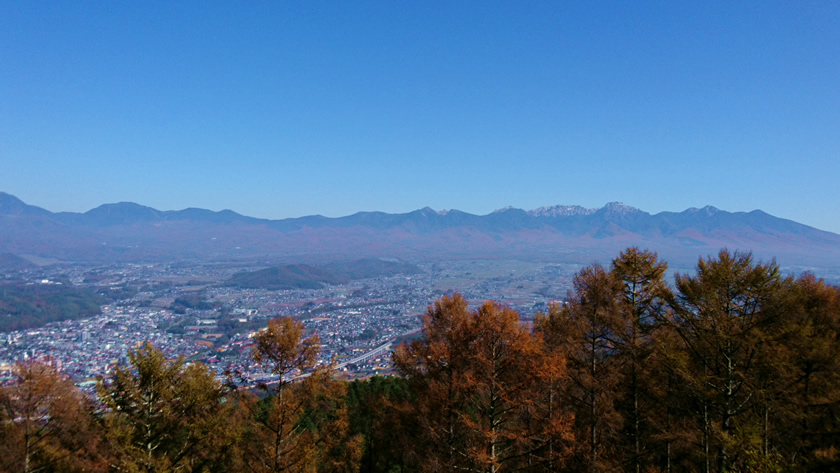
[164,415]
[377,409]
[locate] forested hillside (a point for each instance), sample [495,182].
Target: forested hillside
[734,368]
[293,276]
[26,305]
[303,276]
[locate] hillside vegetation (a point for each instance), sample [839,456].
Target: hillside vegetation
[293,276]
[302,276]
[24,306]
[10,262]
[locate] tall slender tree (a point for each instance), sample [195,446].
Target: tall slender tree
[808,399]
[582,333]
[46,424]
[641,303]
[301,425]
[436,378]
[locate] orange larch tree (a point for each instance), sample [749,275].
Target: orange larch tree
[46,423]
[641,302]
[301,424]
[480,379]
[582,333]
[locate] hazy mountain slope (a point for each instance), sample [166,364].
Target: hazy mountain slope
[9,261]
[132,232]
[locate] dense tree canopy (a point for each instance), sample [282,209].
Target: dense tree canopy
[483,385]
[46,424]
[164,415]
[24,306]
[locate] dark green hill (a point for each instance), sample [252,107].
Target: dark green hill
[24,306]
[9,261]
[293,276]
[302,276]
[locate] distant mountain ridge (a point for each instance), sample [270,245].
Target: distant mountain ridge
[564,233]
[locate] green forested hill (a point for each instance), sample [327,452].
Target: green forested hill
[25,306]
[294,276]
[302,276]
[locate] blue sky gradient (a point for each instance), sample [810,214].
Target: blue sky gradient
[284,109]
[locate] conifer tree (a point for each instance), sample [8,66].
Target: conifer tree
[641,304]
[302,424]
[46,424]
[808,405]
[377,409]
[582,333]
[164,415]
[723,316]
[478,376]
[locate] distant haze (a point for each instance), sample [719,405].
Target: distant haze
[565,233]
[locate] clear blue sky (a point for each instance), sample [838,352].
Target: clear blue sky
[283,109]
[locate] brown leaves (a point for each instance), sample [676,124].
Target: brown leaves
[45,422]
[303,422]
[281,348]
[484,388]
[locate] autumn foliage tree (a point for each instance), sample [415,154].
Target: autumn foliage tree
[806,414]
[46,424]
[581,332]
[483,385]
[725,316]
[719,374]
[733,368]
[641,305]
[301,425]
[164,415]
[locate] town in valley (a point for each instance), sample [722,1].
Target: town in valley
[188,310]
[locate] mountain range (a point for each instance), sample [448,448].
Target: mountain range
[563,233]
